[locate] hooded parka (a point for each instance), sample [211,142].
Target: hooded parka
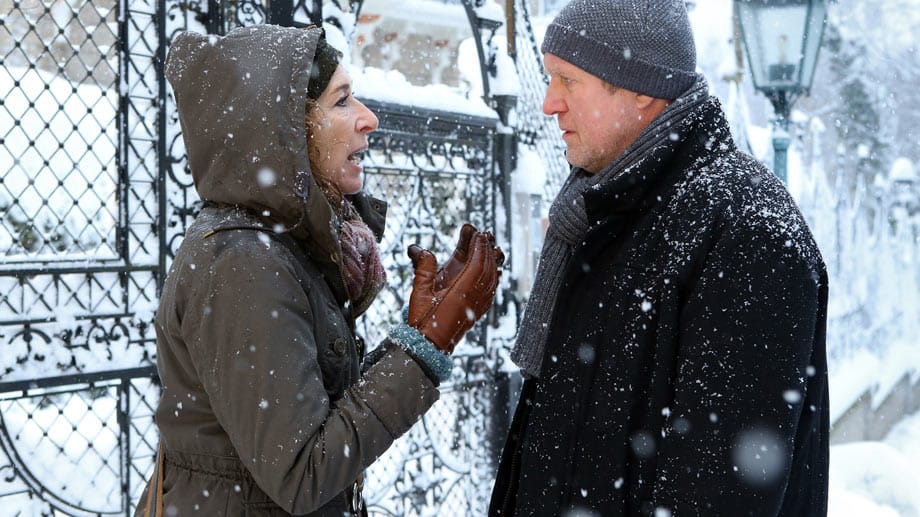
[685,370]
[264,408]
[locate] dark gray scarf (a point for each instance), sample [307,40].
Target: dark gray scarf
[568,225]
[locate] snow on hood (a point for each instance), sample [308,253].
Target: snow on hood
[242,102]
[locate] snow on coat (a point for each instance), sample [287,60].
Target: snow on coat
[685,370]
[264,409]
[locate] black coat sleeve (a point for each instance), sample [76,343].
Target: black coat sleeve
[749,376]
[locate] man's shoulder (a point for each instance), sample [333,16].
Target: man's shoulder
[745,201]
[733,180]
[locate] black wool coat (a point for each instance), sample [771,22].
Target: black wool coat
[685,369]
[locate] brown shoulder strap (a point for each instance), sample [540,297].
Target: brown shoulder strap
[155,489]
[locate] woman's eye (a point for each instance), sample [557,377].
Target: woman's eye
[343,101]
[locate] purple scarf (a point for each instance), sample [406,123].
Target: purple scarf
[362,269]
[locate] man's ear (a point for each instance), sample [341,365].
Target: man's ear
[645,103]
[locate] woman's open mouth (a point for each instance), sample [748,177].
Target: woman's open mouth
[357,156]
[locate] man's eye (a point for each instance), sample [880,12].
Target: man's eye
[566,81]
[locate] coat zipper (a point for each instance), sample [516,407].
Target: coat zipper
[514,473]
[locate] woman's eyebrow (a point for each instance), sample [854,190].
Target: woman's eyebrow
[342,88]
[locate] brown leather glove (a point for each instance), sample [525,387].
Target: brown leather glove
[457,260]
[443,311]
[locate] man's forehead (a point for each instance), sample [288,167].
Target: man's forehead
[553,64]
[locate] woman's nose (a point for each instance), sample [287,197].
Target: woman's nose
[367,121]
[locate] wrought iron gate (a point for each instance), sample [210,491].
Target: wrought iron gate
[95,197]
[80,242]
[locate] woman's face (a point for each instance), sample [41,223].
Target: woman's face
[338,125]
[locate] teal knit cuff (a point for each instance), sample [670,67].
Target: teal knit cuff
[413,342]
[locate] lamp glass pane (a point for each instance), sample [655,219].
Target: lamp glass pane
[814,33]
[774,36]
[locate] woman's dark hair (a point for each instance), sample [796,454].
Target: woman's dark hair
[325,61]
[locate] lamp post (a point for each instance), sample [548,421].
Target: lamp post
[781,39]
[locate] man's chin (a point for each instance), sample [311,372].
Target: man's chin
[578,163]
[573,160]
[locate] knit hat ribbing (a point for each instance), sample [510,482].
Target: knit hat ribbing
[645,46]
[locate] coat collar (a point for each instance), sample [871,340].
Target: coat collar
[373,212]
[316,235]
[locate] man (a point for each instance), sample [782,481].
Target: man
[673,344]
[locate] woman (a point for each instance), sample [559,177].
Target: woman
[264,409]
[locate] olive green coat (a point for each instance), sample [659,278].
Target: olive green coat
[264,409]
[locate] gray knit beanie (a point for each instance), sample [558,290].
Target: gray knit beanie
[645,46]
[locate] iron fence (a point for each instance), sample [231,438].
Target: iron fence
[536,132]
[79,226]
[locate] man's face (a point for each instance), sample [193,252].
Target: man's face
[598,121]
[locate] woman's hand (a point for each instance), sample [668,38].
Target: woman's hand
[446,302]
[457,261]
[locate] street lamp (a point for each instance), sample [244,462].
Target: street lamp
[782,38]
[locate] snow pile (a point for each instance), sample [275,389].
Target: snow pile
[392,86]
[877,478]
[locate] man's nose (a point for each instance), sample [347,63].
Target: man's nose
[552,100]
